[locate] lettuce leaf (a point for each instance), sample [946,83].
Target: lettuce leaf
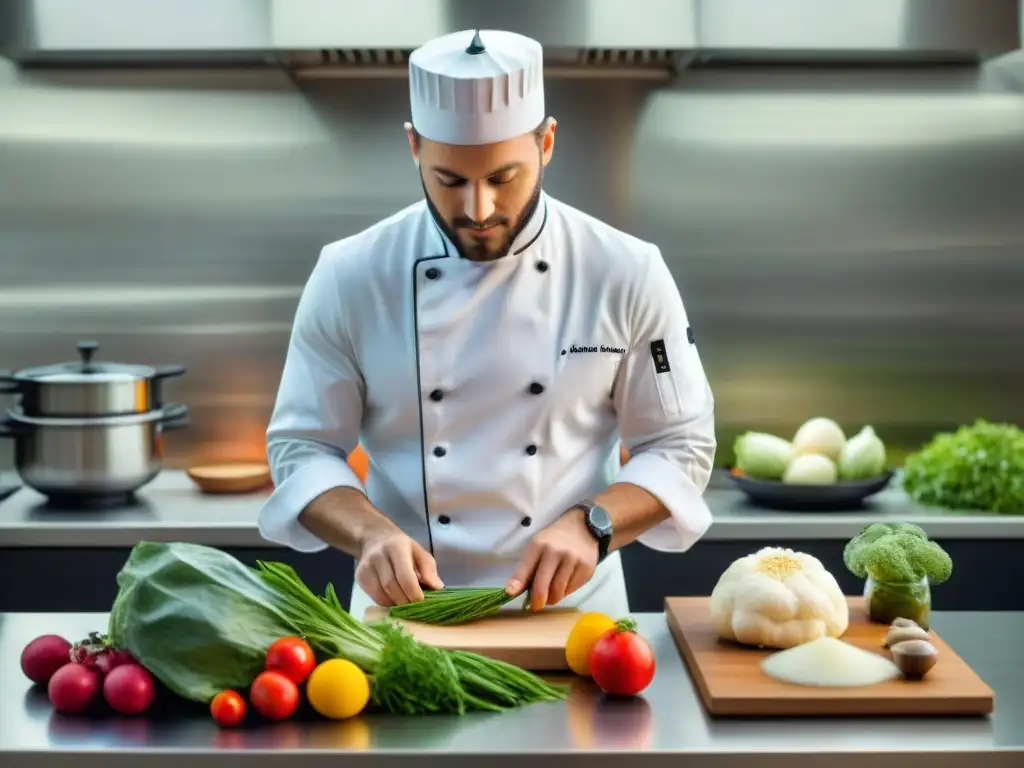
[979,467]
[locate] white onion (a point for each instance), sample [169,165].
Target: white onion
[829,663]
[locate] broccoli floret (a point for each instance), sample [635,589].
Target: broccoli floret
[895,553]
[886,560]
[929,559]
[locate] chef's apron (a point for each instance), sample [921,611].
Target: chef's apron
[604,593]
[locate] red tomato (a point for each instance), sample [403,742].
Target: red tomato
[228,709]
[292,657]
[621,662]
[273,695]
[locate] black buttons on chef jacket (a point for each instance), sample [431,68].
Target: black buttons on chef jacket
[439,451]
[443,519]
[536,388]
[526,522]
[433,273]
[541,266]
[531,450]
[437,395]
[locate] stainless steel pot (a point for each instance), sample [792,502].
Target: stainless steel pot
[90,461]
[87,387]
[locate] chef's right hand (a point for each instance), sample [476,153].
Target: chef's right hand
[393,569]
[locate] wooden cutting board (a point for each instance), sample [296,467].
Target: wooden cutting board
[730,681]
[534,641]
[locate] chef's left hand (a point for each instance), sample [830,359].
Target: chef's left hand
[560,559]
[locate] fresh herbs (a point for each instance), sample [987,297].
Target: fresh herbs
[408,677]
[453,605]
[201,622]
[978,467]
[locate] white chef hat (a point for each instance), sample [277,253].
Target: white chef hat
[477,87]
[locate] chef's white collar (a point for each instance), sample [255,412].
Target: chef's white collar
[528,237]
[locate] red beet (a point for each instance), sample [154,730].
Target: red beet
[73,688]
[42,657]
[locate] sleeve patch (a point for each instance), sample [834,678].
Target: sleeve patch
[660,356]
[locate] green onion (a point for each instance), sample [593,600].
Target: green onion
[407,677]
[453,605]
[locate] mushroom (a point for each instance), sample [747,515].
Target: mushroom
[902,634]
[901,622]
[914,658]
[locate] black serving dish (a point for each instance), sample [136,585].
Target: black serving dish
[841,496]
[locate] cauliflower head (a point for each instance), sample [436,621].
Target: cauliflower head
[778,598]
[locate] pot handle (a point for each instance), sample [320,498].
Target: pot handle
[8,384]
[168,371]
[175,416]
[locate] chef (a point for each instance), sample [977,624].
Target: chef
[489,346]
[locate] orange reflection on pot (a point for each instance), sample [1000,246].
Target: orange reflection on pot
[141,396]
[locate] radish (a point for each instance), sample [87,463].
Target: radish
[111,658]
[73,688]
[44,656]
[128,689]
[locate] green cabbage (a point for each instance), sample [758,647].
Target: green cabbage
[762,456]
[862,457]
[198,619]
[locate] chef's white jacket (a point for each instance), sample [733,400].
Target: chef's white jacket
[491,397]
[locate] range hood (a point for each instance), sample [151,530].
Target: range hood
[635,38]
[341,38]
[930,31]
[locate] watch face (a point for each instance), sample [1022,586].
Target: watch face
[600,520]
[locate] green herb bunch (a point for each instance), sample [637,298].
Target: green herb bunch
[979,467]
[408,677]
[453,605]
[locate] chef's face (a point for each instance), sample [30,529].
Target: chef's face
[483,196]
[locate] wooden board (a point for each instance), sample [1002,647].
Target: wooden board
[730,681]
[534,641]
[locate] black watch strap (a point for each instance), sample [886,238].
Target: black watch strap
[599,523]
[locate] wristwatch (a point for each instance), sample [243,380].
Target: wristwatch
[599,523]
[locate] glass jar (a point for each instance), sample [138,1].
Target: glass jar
[888,601]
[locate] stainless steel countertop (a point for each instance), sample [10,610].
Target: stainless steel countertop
[666,726]
[171,508]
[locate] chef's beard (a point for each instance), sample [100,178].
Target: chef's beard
[480,251]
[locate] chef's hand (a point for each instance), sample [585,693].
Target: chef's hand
[392,567]
[559,560]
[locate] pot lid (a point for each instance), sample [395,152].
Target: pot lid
[86,370]
[160,414]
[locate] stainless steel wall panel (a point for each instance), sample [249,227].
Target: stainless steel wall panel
[847,242]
